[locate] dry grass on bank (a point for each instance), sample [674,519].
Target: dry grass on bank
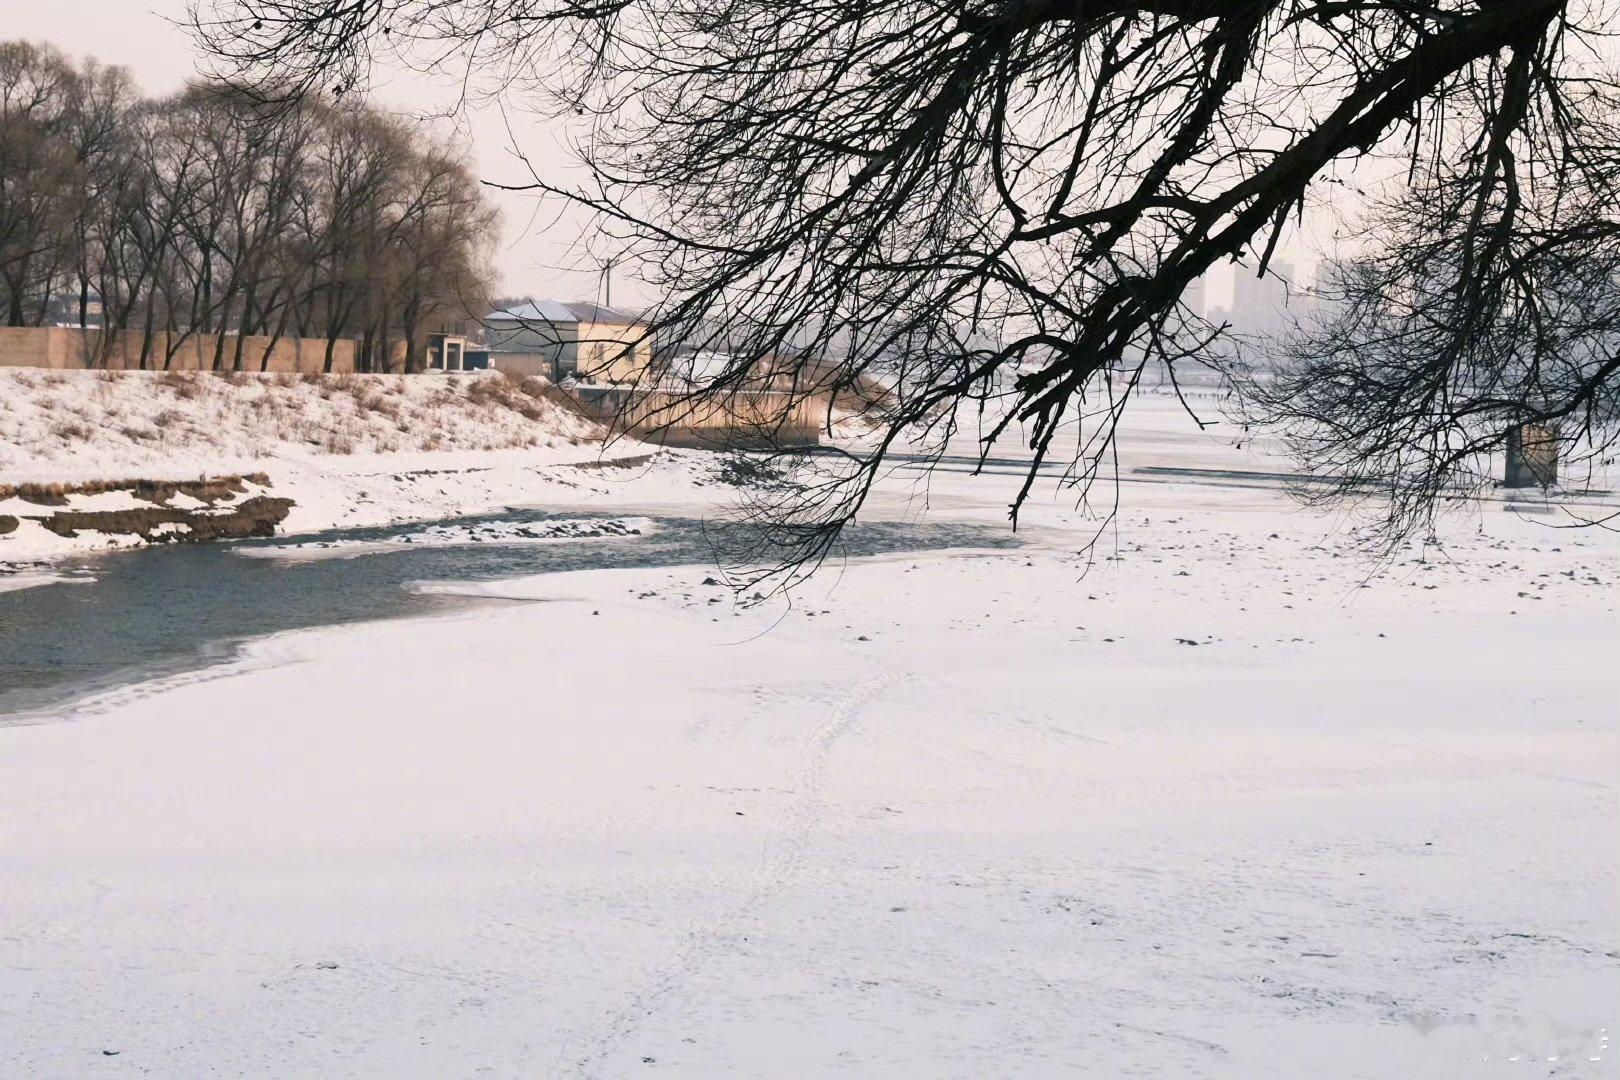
[104,422]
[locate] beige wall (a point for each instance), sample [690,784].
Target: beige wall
[72,347]
[602,352]
[34,346]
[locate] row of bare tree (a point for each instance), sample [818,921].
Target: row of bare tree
[212,212]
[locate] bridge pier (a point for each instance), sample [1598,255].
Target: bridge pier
[1532,456]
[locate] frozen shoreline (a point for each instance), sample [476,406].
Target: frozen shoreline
[562,531]
[399,450]
[32,578]
[402,493]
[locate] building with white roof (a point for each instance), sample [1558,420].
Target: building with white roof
[569,339]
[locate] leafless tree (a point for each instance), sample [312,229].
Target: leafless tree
[433,268]
[217,211]
[360,161]
[991,208]
[1489,311]
[98,122]
[39,175]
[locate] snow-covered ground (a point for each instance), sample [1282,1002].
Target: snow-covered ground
[1216,801]
[349,450]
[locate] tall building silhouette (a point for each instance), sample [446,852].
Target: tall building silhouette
[1261,305]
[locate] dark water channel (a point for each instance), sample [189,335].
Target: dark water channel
[175,608]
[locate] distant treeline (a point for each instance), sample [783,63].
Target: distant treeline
[217,212]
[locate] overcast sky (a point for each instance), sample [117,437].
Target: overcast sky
[537,255]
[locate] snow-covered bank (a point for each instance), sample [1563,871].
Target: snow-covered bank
[1208,808]
[348,450]
[70,426]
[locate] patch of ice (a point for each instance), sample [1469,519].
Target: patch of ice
[486,532]
[17,576]
[506,532]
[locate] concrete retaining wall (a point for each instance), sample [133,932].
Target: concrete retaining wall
[761,417]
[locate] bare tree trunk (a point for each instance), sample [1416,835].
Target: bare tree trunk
[14,301]
[336,322]
[275,338]
[45,300]
[146,331]
[243,326]
[219,345]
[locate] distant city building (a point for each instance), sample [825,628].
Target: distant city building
[1196,296]
[1260,304]
[1264,308]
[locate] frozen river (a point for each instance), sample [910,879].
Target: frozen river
[166,609]
[1214,796]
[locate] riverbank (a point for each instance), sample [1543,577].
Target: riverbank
[1211,800]
[316,452]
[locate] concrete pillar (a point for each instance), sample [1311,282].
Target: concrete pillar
[1532,456]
